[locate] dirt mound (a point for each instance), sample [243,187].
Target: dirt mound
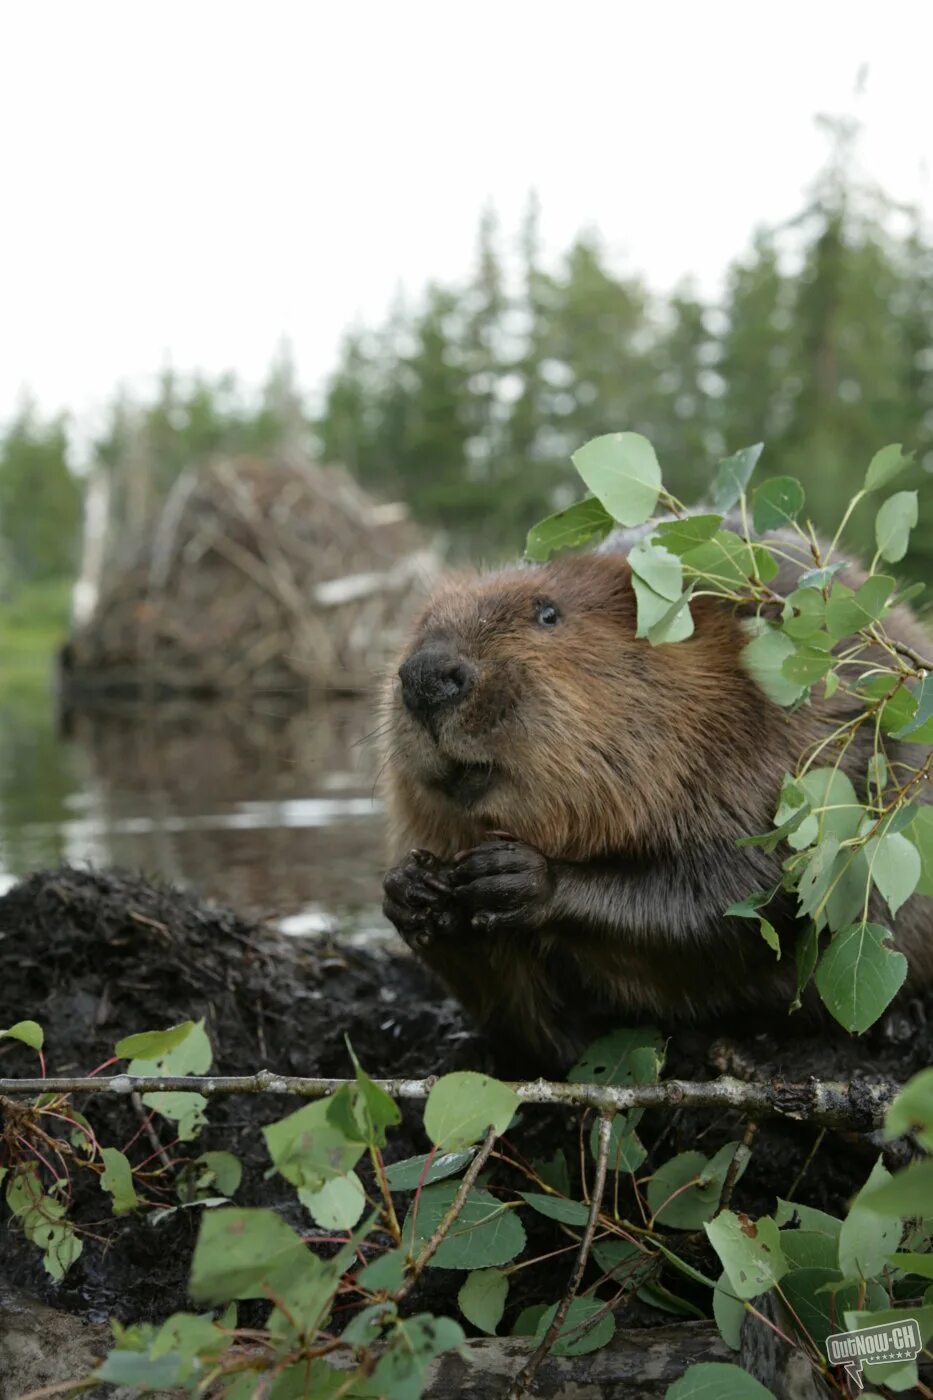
[95,956]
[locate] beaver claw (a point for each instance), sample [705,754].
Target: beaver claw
[503,885]
[418,901]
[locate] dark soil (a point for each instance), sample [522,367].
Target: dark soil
[95,956]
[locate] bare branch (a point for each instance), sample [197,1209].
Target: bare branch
[456,1206]
[529,1370]
[859,1106]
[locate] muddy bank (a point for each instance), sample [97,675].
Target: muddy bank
[95,956]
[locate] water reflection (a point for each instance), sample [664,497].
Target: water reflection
[269,809]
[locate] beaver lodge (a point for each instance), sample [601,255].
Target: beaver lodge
[254,576]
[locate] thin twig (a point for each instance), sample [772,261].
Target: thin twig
[527,1374]
[145,1120]
[738,1163]
[456,1206]
[857,1107]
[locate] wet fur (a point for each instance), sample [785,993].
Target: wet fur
[634,770]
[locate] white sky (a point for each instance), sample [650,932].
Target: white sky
[190,180]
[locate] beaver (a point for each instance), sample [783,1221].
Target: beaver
[570,799]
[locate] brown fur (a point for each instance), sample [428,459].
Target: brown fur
[633,770]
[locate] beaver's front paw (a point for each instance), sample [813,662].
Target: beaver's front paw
[418,899]
[503,885]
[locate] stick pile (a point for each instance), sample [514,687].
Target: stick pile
[255,576]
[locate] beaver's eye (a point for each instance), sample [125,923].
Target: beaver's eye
[547,613]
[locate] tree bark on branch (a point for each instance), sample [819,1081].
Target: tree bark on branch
[858,1106]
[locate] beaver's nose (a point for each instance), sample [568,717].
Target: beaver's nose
[432,680]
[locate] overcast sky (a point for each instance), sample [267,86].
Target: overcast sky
[187,181]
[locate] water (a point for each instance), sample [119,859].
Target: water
[267,809]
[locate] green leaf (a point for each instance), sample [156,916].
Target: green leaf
[908,1193]
[137,1369]
[920,831]
[308,1149]
[624,1057]
[384,1274]
[820,577]
[557,1208]
[680,536]
[368,1325]
[405,1175]
[886,464]
[482,1298]
[733,475]
[729,1312]
[152,1045]
[923,712]
[804,614]
[817,874]
[835,809]
[675,624]
[188,1053]
[400,1371]
[117,1179]
[818,1296]
[658,619]
[656,1295]
[770,935]
[376,1110]
[807,665]
[29,1032]
[809,1217]
[626,1153]
[660,569]
[688,1209]
[917,1265]
[338,1204]
[728,562]
[859,975]
[912,1110]
[463,1106]
[867,1238]
[717,1380]
[526,1324]
[568,529]
[893,525]
[622,471]
[238,1251]
[624,1262]
[764,658]
[896,1376]
[749,907]
[810,1249]
[220,1170]
[485,1234]
[895,867]
[555,1172]
[848,612]
[571,1339]
[777,503]
[749,1250]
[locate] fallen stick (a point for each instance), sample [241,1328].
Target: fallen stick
[858,1106]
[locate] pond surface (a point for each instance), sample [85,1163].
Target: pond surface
[265,808]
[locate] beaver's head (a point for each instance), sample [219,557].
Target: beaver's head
[525,703]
